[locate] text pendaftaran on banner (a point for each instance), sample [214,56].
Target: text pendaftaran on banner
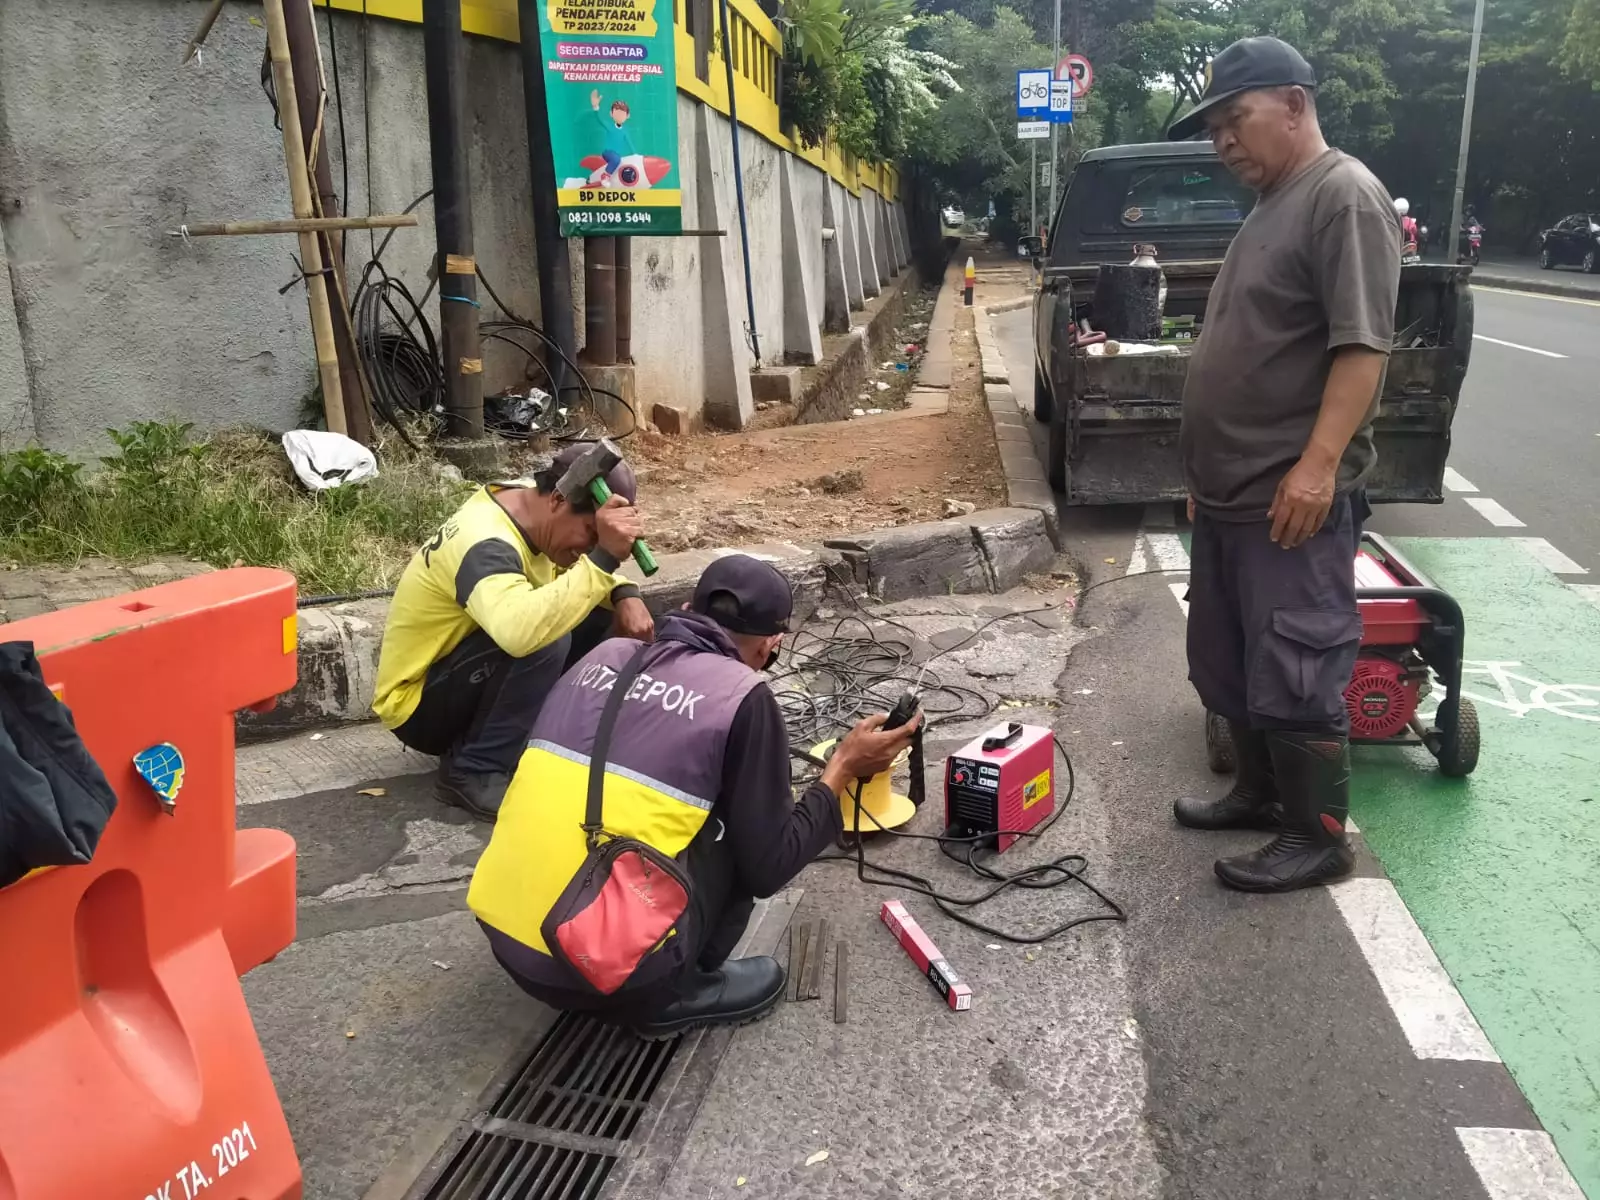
[611,89]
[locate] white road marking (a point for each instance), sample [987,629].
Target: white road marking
[1166,549]
[1454,481]
[1518,1164]
[1549,557]
[1179,588]
[1434,1017]
[1138,560]
[341,758]
[1589,591]
[1483,337]
[1494,512]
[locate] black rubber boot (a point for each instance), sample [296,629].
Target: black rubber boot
[479,792]
[741,990]
[1313,776]
[1252,802]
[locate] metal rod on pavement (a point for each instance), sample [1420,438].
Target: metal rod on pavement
[1456,206]
[461,348]
[294,153]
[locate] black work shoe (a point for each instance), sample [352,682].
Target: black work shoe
[479,792]
[1252,802]
[1313,776]
[741,990]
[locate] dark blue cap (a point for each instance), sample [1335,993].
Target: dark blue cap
[1249,64]
[745,595]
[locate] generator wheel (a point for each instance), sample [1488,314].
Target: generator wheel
[1219,745]
[1459,761]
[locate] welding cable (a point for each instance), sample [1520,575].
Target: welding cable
[1063,869]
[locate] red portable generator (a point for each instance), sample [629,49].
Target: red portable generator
[1411,641]
[1001,783]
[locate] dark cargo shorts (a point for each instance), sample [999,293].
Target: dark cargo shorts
[1273,633]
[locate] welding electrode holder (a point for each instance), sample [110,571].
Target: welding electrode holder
[641,551]
[904,709]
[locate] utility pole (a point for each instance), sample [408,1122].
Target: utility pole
[452,218]
[1454,234]
[550,248]
[1055,129]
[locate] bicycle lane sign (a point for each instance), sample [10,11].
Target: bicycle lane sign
[1502,870]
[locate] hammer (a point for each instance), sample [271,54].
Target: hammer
[585,479]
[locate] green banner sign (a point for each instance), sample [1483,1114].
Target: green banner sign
[611,84]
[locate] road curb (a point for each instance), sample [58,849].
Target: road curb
[1026,486]
[987,551]
[1516,283]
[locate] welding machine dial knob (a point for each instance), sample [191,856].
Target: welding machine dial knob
[959,776]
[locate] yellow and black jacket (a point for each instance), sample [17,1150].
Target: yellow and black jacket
[480,572]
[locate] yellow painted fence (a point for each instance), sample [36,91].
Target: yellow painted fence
[754,43]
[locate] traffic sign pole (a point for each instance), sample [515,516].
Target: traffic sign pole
[1033,187]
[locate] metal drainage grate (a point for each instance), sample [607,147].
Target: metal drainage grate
[563,1120]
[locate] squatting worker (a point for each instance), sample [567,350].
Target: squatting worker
[699,769]
[1276,441]
[488,614]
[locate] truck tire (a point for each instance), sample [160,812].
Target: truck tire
[1056,468]
[1043,405]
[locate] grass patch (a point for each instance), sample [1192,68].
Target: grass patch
[227,500]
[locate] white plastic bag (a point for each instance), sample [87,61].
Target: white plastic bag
[325,460]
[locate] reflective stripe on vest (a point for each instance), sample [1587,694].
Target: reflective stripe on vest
[662,775]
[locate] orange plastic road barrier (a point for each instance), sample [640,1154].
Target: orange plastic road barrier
[129,1068]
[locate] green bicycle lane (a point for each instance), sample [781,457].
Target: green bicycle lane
[1502,870]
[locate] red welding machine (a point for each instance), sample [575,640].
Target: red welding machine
[1001,782]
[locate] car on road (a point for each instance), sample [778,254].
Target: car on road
[953,216]
[1572,242]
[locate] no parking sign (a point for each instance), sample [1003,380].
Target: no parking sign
[1076,68]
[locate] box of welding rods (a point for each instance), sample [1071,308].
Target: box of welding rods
[926,955]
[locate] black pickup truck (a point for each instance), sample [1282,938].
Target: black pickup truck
[1114,419]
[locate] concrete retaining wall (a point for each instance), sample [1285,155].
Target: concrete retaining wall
[106,143]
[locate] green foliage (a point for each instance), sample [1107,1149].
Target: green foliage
[850,73]
[31,479]
[226,500]
[1392,81]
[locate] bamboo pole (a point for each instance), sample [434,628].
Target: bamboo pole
[293,225]
[200,34]
[294,153]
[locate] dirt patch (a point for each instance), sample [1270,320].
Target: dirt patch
[803,483]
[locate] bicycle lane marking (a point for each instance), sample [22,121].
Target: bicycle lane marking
[1424,997]
[1502,871]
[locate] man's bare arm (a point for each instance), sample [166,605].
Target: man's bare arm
[1306,493]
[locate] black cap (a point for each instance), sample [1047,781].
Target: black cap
[1247,65]
[745,595]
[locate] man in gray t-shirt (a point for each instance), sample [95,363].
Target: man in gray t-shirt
[1276,441]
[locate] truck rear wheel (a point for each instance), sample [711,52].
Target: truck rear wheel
[1043,405]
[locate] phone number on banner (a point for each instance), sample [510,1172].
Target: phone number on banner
[632,220]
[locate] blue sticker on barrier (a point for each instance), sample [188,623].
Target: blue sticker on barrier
[162,768]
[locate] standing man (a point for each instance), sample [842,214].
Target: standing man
[515,585]
[1276,442]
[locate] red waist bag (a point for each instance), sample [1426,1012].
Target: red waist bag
[622,922]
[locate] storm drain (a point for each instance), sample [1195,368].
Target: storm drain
[563,1120]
